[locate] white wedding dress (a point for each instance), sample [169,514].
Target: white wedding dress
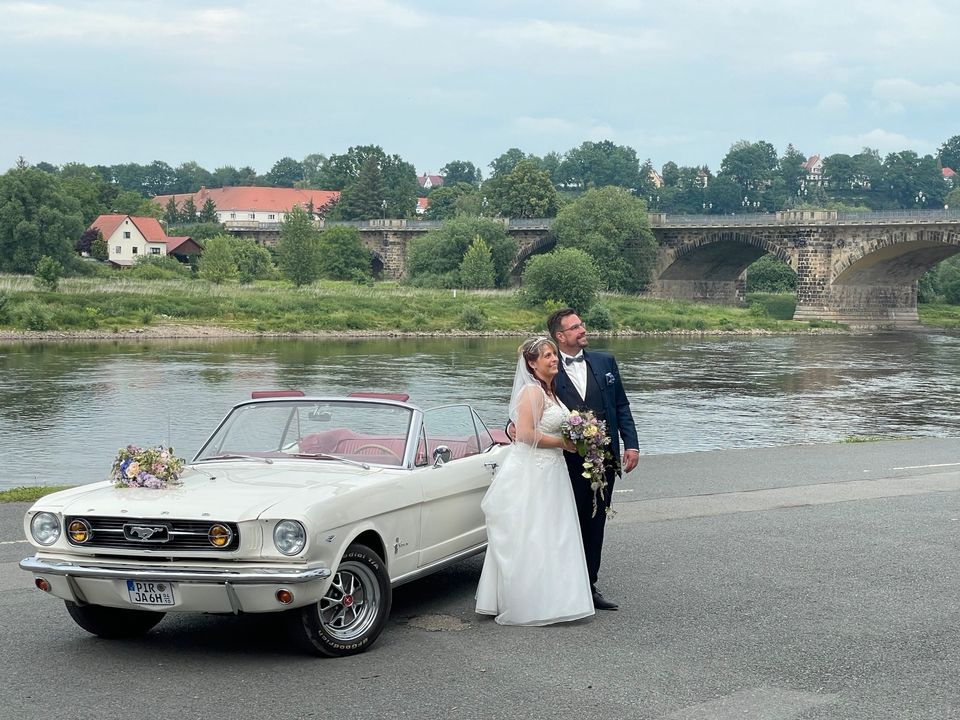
[534,572]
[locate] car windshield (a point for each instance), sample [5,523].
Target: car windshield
[352,430]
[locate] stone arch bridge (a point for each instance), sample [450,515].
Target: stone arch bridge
[860,269]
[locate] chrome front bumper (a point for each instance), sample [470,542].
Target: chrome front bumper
[245,576]
[202,589]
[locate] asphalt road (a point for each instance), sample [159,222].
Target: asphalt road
[805,582]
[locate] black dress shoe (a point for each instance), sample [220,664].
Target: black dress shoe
[601,603]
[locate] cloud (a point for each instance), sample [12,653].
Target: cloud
[897,94]
[833,102]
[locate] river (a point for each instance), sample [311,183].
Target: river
[66,407]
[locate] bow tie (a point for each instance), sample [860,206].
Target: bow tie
[572,360]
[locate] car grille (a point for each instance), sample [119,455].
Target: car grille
[151,534]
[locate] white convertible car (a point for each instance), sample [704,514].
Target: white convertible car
[311,506]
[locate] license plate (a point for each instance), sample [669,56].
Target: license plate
[150,593]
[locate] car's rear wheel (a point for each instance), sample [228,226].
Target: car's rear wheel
[350,617]
[112,623]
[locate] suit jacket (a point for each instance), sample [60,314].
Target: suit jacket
[616,407]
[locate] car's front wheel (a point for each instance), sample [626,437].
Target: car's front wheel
[350,617]
[112,623]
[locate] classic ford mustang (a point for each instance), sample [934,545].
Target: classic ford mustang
[311,506]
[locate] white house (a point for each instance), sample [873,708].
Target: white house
[129,237]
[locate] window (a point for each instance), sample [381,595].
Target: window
[252,216]
[233,216]
[271,216]
[154,251]
[126,234]
[134,250]
[118,249]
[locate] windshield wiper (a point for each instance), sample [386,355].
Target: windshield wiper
[236,456]
[327,456]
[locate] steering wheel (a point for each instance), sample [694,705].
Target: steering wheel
[375,446]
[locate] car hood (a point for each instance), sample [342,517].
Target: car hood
[223,490]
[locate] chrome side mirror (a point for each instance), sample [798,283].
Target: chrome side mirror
[441,455]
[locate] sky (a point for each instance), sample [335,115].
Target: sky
[239,83]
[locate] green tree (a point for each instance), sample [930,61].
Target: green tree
[342,254]
[949,153]
[312,165]
[952,200]
[364,199]
[188,211]
[218,264]
[47,274]
[399,179]
[612,227]
[438,254]
[299,248]
[567,276]
[36,218]
[460,171]
[208,213]
[190,177]
[791,171]
[752,167]
[527,192]
[476,268]
[98,248]
[284,173]
[504,165]
[254,262]
[171,214]
[448,201]
[597,164]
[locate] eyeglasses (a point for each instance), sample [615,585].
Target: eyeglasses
[576,327]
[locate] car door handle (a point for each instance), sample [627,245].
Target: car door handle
[492,465]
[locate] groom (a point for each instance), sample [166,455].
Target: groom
[591,380]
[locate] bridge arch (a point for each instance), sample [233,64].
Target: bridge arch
[894,258]
[722,256]
[535,246]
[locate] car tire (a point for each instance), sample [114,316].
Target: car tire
[113,623]
[354,611]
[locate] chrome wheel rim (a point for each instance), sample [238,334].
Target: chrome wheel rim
[349,609]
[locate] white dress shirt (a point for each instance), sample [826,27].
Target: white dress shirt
[577,372]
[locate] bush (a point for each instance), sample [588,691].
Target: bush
[158,267]
[598,317]
[567,276]
[33,316]
[472,318]
[771,274]
[48,273]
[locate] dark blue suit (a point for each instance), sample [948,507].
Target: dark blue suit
[606,398]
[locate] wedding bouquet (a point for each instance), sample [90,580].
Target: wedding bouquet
[146,467]
[589,436]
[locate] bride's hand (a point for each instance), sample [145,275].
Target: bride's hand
[568,445]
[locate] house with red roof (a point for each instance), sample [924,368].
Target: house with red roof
[422,205]
[250,205]
[430,181]
[949,175]
[128,237]
[814,169]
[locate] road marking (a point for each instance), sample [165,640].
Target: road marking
[678,508]
[920,467]
[13,542]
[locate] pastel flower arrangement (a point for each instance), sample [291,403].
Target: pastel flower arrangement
[589,436]
[155,467]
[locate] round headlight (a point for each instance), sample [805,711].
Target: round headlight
[45,528]
[289,537]
[79,531]
[219,535]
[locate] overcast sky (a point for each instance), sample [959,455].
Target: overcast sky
[233,82]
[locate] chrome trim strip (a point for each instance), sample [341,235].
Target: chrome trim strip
[439,564]
[247,576]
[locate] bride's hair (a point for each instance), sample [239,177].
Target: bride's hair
[531,349]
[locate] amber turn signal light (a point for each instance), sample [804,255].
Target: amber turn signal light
[220,535]
[284,597]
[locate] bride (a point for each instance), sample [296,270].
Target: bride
[534,572]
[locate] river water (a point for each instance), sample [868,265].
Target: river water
[66,407]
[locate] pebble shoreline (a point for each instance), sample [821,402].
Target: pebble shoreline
[186,332]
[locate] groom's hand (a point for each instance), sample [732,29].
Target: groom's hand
[630,459]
